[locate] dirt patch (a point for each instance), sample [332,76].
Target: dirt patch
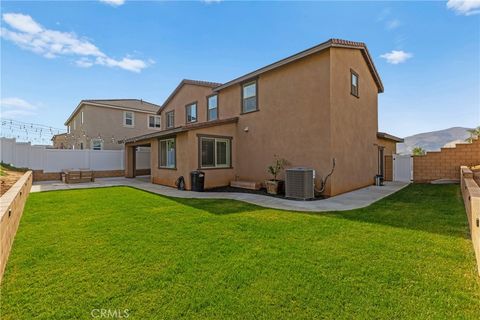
[8,177]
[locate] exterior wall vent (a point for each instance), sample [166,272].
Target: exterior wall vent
[299,183]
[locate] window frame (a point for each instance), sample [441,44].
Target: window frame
[357,93]
[154,122]
[208,107]
[174,167]
[216,139]
[92,144]
[167,114]
[243,85]
[81,115]
[187,109]
[125,119]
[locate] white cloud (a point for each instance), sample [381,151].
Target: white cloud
[393,24]
[29,35]
[22,22]
[16,107]
[114,3]
[464,7]
[396,57]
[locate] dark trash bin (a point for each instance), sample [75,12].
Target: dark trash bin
[197,179]
[379,180]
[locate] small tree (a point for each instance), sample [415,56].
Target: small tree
[474,134]
[277,166]
[418,151]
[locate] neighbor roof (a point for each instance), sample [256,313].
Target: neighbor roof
[339,43]
[126,104]
[188,81]
[383,135]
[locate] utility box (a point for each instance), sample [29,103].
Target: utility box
[300,183]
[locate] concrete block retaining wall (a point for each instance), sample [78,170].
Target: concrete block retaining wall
[445,164]
[471,198]
[11,210]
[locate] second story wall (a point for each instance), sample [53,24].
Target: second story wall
[187,94]
[106,124]
[354,120]
[292,120]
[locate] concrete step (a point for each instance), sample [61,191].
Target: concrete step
[245,184]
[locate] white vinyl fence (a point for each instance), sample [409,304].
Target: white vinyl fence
[24,155]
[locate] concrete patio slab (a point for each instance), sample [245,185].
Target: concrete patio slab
[351,200]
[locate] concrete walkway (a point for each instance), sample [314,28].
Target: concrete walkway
[347,201]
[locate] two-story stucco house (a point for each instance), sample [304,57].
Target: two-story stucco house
[310,108]
[100,124]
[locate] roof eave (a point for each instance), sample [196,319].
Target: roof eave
[320,47]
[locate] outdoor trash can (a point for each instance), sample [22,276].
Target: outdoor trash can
[197,179]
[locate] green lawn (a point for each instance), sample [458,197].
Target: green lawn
[406,257]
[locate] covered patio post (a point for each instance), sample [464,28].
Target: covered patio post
[130,158]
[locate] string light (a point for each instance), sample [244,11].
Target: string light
[28,132]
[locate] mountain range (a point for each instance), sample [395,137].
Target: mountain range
[433,141]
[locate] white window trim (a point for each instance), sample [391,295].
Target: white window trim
[81,114]
[229,160]
[175,152]
[254,82]
[156,117]
[208,107]
[189,107]
[93,141]
[125,119]
[171,112]
[68,129]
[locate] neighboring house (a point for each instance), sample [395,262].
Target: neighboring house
[309,108]
[60,141]
[101,124]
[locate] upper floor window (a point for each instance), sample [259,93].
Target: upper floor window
[154,121]
[68,129]
[74,124]
[128,119]
[191,111]
[249,97]
[354,83]
[81,115]
[212,107]
[170,119]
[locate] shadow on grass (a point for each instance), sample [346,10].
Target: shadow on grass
[435,209]
[218,206]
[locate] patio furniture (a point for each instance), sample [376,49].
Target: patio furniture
[77,175]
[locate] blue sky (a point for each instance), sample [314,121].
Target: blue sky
[54,54]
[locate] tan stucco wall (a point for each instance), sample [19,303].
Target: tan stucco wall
[292,121]
[187,159]
[390,148]
[60,142]
[306,115]
[105,123]
[354,122]
[186,95]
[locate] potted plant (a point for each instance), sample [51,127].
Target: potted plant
[274,186]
